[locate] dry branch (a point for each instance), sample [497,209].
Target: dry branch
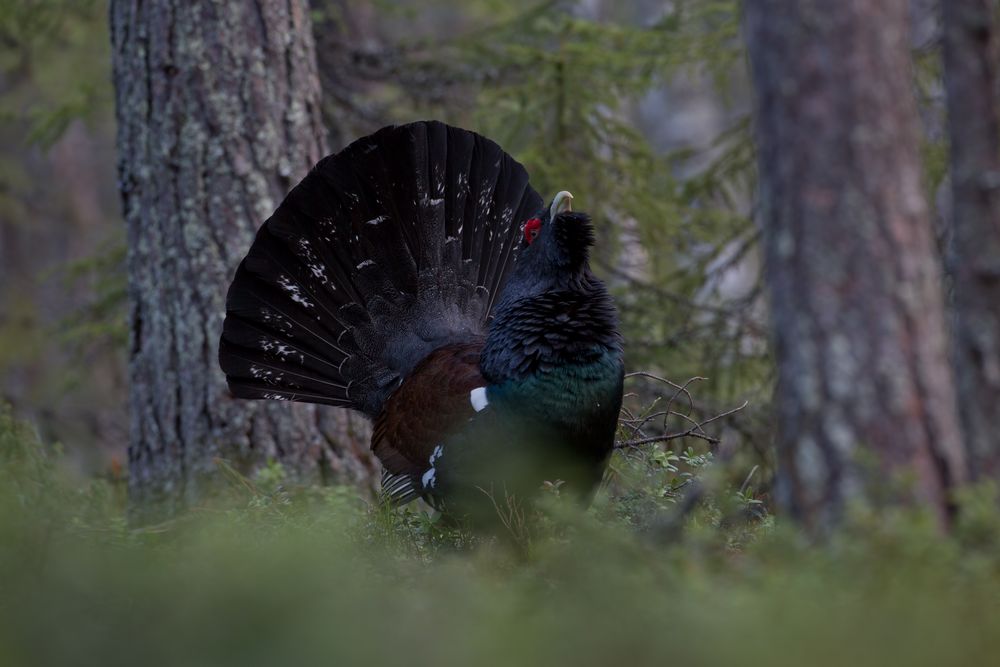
[637,424]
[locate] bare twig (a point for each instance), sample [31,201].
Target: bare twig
[513,517]
[681,389]
[696,431]
[636,445]
[746,482]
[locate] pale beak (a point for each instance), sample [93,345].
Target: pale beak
[563,203]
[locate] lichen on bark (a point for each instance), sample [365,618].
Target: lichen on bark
[218,116]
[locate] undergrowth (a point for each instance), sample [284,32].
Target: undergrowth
[275,575]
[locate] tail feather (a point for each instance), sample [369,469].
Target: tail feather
[384,252]
[498,263]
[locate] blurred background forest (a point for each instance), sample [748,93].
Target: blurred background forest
[640,107]
[644,110]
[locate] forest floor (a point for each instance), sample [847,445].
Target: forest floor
[275,576]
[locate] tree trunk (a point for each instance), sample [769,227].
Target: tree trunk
[865,399]
[970,53]
[218,116]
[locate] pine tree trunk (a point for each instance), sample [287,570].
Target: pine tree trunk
[218,116]
[865,396]
[970,57]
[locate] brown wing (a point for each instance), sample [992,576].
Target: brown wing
[432,403]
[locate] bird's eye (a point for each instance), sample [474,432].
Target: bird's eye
[531,229]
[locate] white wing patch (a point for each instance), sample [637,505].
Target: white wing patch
[478,399]
[429,480]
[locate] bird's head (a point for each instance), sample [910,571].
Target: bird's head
[554,248]
[552,309]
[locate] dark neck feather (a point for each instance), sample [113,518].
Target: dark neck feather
[576,324]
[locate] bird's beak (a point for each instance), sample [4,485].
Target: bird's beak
[562,203]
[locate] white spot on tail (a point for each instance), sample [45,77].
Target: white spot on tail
[478,399]
[294,291]
[436,454]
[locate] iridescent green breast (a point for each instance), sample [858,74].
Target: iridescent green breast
[574,396]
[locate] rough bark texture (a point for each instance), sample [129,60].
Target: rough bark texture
[970,57]
[218,116]
[865,394]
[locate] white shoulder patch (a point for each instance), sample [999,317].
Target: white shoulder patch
[478,399]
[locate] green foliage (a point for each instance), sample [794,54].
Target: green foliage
[561,90]
[62,278]
[54,66]
[54,62]
[274,575]
[100,318]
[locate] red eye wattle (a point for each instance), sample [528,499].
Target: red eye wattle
[531,229]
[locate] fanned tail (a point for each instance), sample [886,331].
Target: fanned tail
[386,251]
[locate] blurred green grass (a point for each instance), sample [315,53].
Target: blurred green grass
[270,576]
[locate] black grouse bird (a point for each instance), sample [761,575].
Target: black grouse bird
[418,278]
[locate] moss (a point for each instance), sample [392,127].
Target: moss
[277,574]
